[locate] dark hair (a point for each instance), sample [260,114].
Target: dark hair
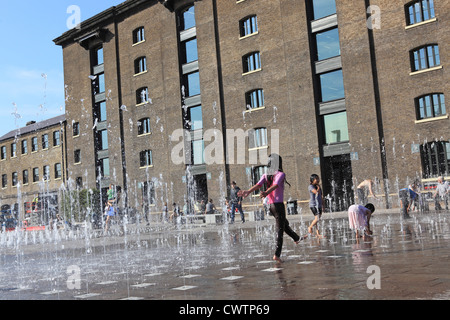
[313,177]
[371,207]
[273,158]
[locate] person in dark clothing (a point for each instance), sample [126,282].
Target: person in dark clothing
[236,202]
[407,196]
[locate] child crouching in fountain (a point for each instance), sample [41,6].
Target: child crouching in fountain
[359,218]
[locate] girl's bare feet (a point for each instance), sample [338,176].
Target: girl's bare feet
[277,259]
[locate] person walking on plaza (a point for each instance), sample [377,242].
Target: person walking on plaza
[364,189]
[236,202]
[359,218]
[275,179]
[441,193]
[315,202]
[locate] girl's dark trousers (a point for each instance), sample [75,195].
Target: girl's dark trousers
[278,210]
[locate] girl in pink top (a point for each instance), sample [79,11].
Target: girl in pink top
[275,179]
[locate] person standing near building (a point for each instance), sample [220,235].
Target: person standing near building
[111,193]
[441,193]
[275,179]
[315,202]
[364,189]
[236,202]
[407,197]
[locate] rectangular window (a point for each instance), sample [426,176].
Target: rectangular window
[435,159]
[196,118]
[15,179]
[148,192]
[146,158]
[46,173]
[4,180]
[198,154]
[3,153]
[24,146]
[102,139]
[249,26]
[76,129]
[257,174]
[336,128]
[58,173]
[192,84]
[79,182]
[13,150]
[56,138]
[25,176]
[252,62]
[97,56]
[34,144]
[45,141]
[99,84]
[187,19]
[425,58]
[332,86]
[35,174]
[419,11]
[77,156]
[100,111]
[104,167]
[328,44]
[323,8]
[189,51]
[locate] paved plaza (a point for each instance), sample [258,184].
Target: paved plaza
[405,259]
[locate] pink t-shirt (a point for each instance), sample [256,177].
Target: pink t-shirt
[275,196]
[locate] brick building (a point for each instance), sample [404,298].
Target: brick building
[349,90]
[33,164]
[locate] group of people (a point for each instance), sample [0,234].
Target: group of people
[233,204]
[410,196]
[197,208]
[275,180]
[359,215]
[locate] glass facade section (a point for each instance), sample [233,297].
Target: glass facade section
[336,128]
[328,44]
[332,86]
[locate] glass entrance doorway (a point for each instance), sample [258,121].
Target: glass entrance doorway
[337,183]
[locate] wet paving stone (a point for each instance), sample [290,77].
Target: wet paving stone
[233,262]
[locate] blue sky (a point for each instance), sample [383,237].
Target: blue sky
[31,65]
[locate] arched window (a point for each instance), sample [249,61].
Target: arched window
[430,106]
[251,62]
[140,65]
[248,26]
[138,35]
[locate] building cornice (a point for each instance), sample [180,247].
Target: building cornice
[98,21]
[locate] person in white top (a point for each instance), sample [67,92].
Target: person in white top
[441,193]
